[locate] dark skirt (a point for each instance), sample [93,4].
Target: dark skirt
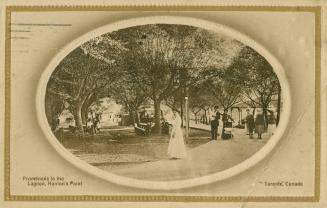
[259,128]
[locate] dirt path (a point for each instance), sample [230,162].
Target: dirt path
[208,158]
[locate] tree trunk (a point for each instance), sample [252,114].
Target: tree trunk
[137,119]
[265,115]
[87,103]
[157,117]
[205,117]
[78,116]
[53,108]
[131,117]
[278,106]
[84,114]
[182,113]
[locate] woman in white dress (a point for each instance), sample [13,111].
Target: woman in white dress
[176,147]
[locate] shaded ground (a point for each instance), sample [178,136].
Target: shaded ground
[123,152]
[120,148]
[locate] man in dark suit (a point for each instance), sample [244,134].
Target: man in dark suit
[214,124]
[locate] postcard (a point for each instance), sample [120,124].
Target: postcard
[145,105]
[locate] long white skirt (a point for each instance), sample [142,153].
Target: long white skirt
[176,147]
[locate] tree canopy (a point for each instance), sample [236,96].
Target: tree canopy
[162,62]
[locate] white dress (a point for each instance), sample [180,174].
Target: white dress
[176,147]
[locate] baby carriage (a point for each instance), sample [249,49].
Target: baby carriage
[227,131]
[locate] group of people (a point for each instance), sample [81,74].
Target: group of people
[93,123]
[257,124]
[227,122]
[252,124]
[176,146]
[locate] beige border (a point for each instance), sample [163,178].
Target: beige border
[182,183]
[9,197]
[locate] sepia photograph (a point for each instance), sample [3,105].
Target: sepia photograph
[163,102]
[138,104]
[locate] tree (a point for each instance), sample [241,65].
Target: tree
[226,88]
[54,105]
[129,94]
[158,61]
[201,99]
[261,84]
[79,77]
[167,59]
[279,101]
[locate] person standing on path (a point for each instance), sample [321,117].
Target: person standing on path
[176,147]
[259,124]
[249,123]
[214,124]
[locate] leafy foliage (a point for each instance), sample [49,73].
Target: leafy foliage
[162,63]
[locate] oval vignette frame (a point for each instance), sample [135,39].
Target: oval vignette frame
[164,185]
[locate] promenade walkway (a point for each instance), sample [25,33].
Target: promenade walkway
[214,156]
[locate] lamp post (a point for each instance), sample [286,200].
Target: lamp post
[187,116]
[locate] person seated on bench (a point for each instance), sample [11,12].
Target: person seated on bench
[139,130]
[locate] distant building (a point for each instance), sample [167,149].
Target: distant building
[110,113]
[110,118]
[66,119]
